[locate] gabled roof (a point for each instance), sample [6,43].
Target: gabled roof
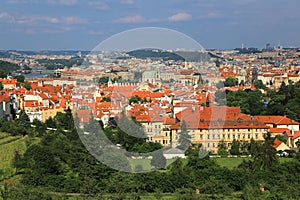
[296,135]
[278,120]
[278,130]
[277,143]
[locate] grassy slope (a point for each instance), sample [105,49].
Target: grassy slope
[231,163]
[8,146]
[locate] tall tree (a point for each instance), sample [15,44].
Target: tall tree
[184,137]
[158,160]
[264,155]
[235,147]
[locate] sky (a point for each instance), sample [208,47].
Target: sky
[83,24]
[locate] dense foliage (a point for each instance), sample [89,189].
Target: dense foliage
[6,68]
[53,64]
[60,163]
[286,101]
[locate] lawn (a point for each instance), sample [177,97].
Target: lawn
[231,163]
[145,163]
[8,146]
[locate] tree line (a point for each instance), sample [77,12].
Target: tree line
[60,163]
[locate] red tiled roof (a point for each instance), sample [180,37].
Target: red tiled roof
[296,134]
[278,130]
[278,120]
[5,81]
[277,143]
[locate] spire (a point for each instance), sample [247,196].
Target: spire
[109,83]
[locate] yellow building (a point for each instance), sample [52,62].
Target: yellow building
[47,113]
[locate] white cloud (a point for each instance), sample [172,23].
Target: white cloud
[63,2]
[180,17]
[38,20]
[99,5]
[127,1]
[131,19]
[6,16]
[74,20]
[23,1]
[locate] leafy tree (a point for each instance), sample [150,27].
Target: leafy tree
[252,193]
[20,78]
[264,155]
[135,99]
[1,86]
[242,82]
[231,81]
[222,149]
[146,147]
[106,99]
[23,121]
[50,123]
[2,74]
[103,80]
[235,147]
[158,160]
[184,137]
[39,127]
[259,84]
[27,85]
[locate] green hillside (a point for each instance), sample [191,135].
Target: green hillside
[8,146]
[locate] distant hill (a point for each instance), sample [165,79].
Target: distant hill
[165,55]
[8,67]
[155,54]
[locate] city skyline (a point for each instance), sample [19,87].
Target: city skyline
[82,25]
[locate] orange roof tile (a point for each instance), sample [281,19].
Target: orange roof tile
[277,143]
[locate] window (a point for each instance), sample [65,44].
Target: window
[201,137]
[213,144]
[213,136]
[228,136]
[239,136]
[208,145]
[223,136]
[249,136]
[166,134]
[233,136]
[208,137]
[155,126]
[256,135]
[248,129]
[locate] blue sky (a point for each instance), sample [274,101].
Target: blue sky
[82,24]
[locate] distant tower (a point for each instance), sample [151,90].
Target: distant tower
[110,83]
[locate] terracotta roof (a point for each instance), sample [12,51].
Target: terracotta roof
[296,134]
[277,143]
[278,120]
[278,130]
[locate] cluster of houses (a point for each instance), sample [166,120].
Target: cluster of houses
[163,111]
[165,97]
